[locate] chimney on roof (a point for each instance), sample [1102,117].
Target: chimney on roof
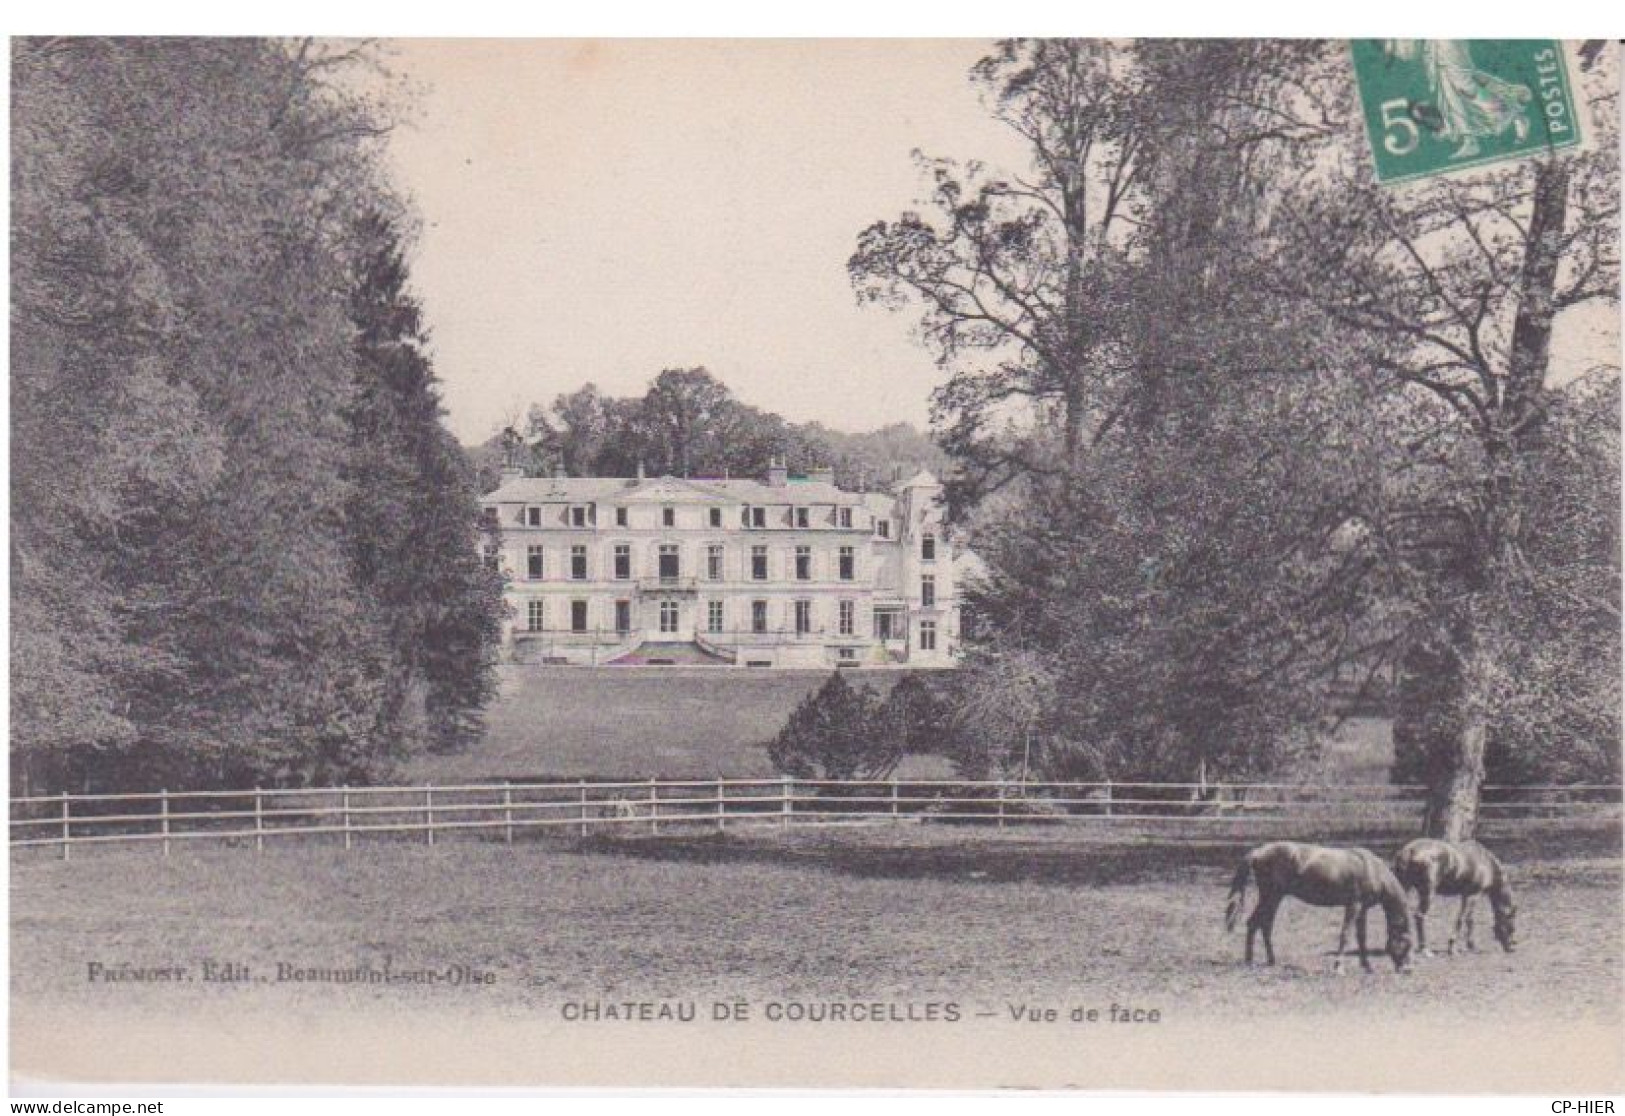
[777,474]
[558,471]
[510,471]
[640,469]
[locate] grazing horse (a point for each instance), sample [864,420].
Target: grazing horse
[1432,867]
[1353,879]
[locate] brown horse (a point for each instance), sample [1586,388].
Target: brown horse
[1353,879]
[1432,867]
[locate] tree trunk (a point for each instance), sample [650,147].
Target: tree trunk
[1456,742]
[1442,716]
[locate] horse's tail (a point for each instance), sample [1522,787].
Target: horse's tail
[1238,893]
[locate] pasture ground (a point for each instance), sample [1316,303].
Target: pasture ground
[709,722]
[893,913]
[633,723]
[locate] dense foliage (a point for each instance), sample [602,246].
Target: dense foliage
[837,732]
[1235,424]
[689,424]
[242,544]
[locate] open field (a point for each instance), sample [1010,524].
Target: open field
[890,913]
[671,722]
[708,722]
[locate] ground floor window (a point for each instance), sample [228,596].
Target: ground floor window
[623,616]
[847,611]
[668,616]
[928,635]
[578,616]
[536,615]
[803,617]
[713,615]
[758,616]
[888,625]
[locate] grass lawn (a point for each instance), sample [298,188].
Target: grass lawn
[574,722]
[670,722]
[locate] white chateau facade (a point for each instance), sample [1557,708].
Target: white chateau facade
[789,571]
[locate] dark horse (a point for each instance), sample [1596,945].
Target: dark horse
[1353,879]
[1432,867]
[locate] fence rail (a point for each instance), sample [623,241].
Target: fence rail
[500,811]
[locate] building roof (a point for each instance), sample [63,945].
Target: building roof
[544,490]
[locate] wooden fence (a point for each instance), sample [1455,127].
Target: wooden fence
[501,811]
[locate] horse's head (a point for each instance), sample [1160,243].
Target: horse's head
[1506,920]
[1399,949]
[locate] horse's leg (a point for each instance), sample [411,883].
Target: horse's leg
[1255,922]
[1461,921]
[1472,908]
[1266,910]
[1424,903]
[1359,937]
[1349,913]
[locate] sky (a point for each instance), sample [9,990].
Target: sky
[601,210]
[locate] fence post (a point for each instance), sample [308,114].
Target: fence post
[67,849]
[163,805]
[428,810]
[1001,803]
[259,823]
[894,798]
[787,792]
[654,806]
[346,807]
[1108,798]
[582,795]
[721,808]
[507,812]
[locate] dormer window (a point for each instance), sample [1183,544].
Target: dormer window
[668,517]
[620,517]
[928,548]
[753,517]
[578,516]
[716,517]
[533,517]
[883,528]
[845,519]
[801,518]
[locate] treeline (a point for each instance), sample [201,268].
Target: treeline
[1237,424]
[243,545]
[689,424]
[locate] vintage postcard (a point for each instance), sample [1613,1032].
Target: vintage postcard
[1052,563]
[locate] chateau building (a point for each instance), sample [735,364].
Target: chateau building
[789,571]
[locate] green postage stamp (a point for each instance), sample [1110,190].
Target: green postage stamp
[1437,105]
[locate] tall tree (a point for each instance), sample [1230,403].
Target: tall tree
[1458,284]
[185,361]
[1015,273]
[414,516]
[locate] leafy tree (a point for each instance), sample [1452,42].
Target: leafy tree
[836,732]
[187,604]
[1456,287]
[1014,273]
[414,518]
[919,710]
[1306,414]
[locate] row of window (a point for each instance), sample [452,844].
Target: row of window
[669,563]
[887,624]
[585,515]
[670,568]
